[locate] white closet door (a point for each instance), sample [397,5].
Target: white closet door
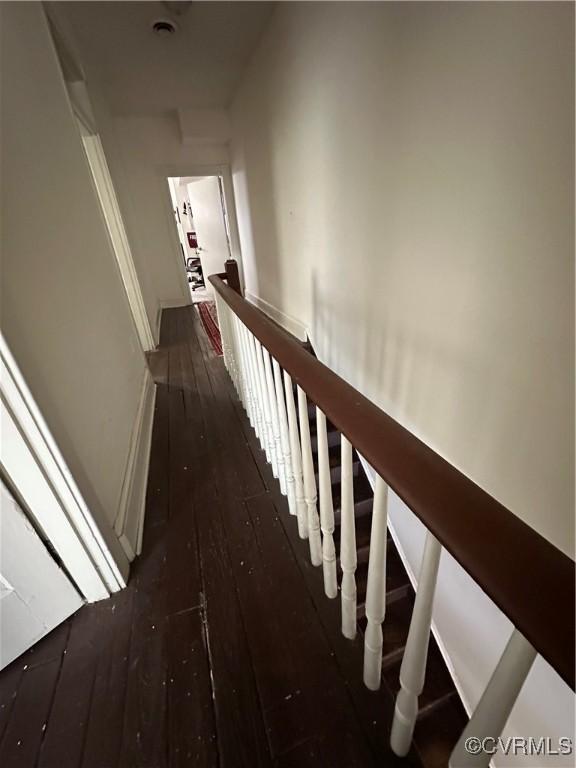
[209,222]
[35,593]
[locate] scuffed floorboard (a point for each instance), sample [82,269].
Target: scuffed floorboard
[217,653]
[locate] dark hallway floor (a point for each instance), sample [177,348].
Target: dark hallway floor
[223,650]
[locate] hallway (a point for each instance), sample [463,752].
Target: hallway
[223,650]
[396,183]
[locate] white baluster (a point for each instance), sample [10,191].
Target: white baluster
[245,372]
[221,326]
[269,441]
[326,508]
[231,348]
[314,539]
[243,390]
[259,404]
[225,333]
[260,417]
[246,369]
[284,438]
[376,589]
[301,510]
[227,315]
[413,669]
[275,421]
[495,706]
[252,393]
[348,557]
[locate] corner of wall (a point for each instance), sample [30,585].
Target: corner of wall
[158,324]
[289,323]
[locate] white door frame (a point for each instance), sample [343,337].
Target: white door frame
[79,98]
[38,472]
[117,232]
[36,594]
[176,247]
[213,169]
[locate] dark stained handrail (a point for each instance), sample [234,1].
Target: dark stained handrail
[527,577]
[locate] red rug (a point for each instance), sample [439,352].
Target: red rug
[209,318]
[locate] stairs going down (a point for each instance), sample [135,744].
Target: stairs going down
[441,716]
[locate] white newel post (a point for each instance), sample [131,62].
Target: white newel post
[495,706]
[301,511]
[326,508]
[284,437]
[269,435]
[314,539]
[413,669]
[348,557]
[275,421]
[376,589]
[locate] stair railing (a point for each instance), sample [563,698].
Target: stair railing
[534,587]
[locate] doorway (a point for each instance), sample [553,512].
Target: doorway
[203,228]
[36,594]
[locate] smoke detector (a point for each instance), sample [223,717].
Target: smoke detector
[164,28]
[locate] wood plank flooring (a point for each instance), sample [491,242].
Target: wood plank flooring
[223,651]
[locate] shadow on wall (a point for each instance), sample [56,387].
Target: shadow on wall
[260,199]
[406,174]
[395,368]
[394,371]
[344,272]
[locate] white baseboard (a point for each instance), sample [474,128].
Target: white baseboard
[290,324]
[171,303]
[130,516]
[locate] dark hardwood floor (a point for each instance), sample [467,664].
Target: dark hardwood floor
[223,650]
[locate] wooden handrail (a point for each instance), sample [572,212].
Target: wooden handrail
[527,577]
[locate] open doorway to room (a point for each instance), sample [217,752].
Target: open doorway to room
[204,236]
[203,228]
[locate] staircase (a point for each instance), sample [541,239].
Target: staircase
[264,362]
[441,716]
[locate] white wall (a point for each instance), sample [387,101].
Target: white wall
[172,186]
[186,219]
[403,175]
[65,314]
[204,195]
[142,153]
[175,197]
